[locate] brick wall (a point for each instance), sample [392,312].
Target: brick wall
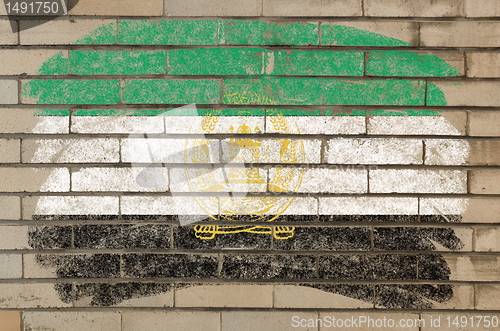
[376,132]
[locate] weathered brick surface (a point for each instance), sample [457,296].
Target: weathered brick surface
[322,180]
[60,32]
[484,123]
[482,8]
[11,150]
[270,152]
[402,33]
[486,240]
[7,37]
[473,210]
[115,123]
[294,296]
[229,295]
[70,205]
[418,8]
[11,266]
[451,152]
[100,150]
[31,295]
[312,8]
[449,123]
[368,206]
[418,181]
[483,64]
[8,92]
[374,151]
[14,237]
[117,62]
[459,34]
[117,8]
[163,150]
[175,321]
[485,181]
[213,8]
[28,62]
[410,64]
[475,94]
[234,32]
[479,268]
[72,321]
[104,179]
[486,297]
[168,32]
[253,321]
[10,207]
[34,179]
[16,120]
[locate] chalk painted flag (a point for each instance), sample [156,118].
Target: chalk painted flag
[302,167]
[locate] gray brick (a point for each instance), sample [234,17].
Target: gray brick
[10,207]
[8,92]
[460,34]
[10,150]
[414,8]
[485,181]
[484,123]
[174,321]
[213,7]
[72,321]
[312,8]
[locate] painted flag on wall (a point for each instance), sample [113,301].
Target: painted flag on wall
[291,169]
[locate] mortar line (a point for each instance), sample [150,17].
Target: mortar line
[467,123]
[245,309]
[260,18]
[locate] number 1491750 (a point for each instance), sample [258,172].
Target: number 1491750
[35,7]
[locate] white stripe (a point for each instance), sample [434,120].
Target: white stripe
[156,150]
[368,206]
[320,124]
[117,124]
[223,124]
[165,205]
[77,205]
[411,125]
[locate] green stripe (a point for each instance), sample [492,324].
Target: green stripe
[118,62]
[215,112]
[435,97]
[316,112]
[218,61]
[232,112]
[168,32]
[105,35]
[408,112]
[374,92]
[273,91]
[178,91]
[113,112]
[55,65]
[235,32]
[317,63]
[241,62]
[405,64]
[333,34]
[72,91]
[51,112]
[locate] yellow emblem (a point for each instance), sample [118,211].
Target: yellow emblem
[242,181]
